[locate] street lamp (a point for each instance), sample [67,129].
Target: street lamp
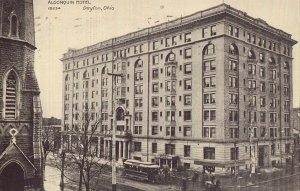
[114,126]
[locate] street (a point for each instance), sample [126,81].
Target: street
[52,180]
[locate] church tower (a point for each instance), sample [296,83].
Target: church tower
[20,109]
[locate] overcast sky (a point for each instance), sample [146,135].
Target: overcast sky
[73,27]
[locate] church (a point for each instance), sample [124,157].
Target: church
[21,160]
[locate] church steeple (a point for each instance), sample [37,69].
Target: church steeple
[17,20]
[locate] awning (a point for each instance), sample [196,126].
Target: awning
[220,164]
[163,156]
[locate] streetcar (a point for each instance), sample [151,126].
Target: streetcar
[143,171]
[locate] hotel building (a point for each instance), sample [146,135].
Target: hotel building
[210,90]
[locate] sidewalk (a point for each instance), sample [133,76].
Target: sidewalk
[230,182]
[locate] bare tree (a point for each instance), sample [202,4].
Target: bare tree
[81,156]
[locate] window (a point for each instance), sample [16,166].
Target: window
[272,88]
[137,146]
[155,102]
[167,42]
[233,82]
[233,49]
[262,86]
[286,91]
[13,25]
[187,150]
[155,73]
[188,53]
[205,32]
[170,131]
[262,72]
[233,65]
[154,130]
[209,65]
[209,98]
[234,153]
[251,54]
[170,71]
[209,49]
[273,117]
[252,69]
[187,131]
[271,60]
[187,115]
[187,99]
[139,89]
[233,116]
[170,149]
[209,132]
[188,68]
[11,91]
[154,116]
[286,65]
[210,82]
[234,132]
[252,84]
[248,37]
[236,32]
[261,57]
[262,101]
[273,132]
[170,100]
[155,59]
[138,116]
[209,153]
[286,118]
[286,78]
[234,98]
[187,37]
[209,115]
[137,130]
[286,104]
[154,147]
[170,86]
[213,30]
[155,87]
[273,149]
[187,84]
[230,29]
[155,45]
[170,116]
[138,102]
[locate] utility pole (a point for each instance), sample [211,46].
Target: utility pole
[252,159]
[62,184]
[114,126]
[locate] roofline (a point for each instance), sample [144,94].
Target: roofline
[185,20]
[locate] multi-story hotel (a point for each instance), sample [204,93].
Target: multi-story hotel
[210,90]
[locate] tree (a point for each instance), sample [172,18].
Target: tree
[81,156]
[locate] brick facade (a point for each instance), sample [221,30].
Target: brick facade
[20,106]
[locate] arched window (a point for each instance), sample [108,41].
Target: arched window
[14,26]
[67,78]
[271,60]
[251,54]
[11,95]
[120,114]
[209,49]
[233,49]
[104,70]
[85,74]
[138,63]
[170,57]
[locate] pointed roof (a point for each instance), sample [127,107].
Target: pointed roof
[12,149]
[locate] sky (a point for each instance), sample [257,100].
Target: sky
[76,26]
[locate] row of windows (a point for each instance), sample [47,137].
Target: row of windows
[171,115]
[170,86]
[260,41]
